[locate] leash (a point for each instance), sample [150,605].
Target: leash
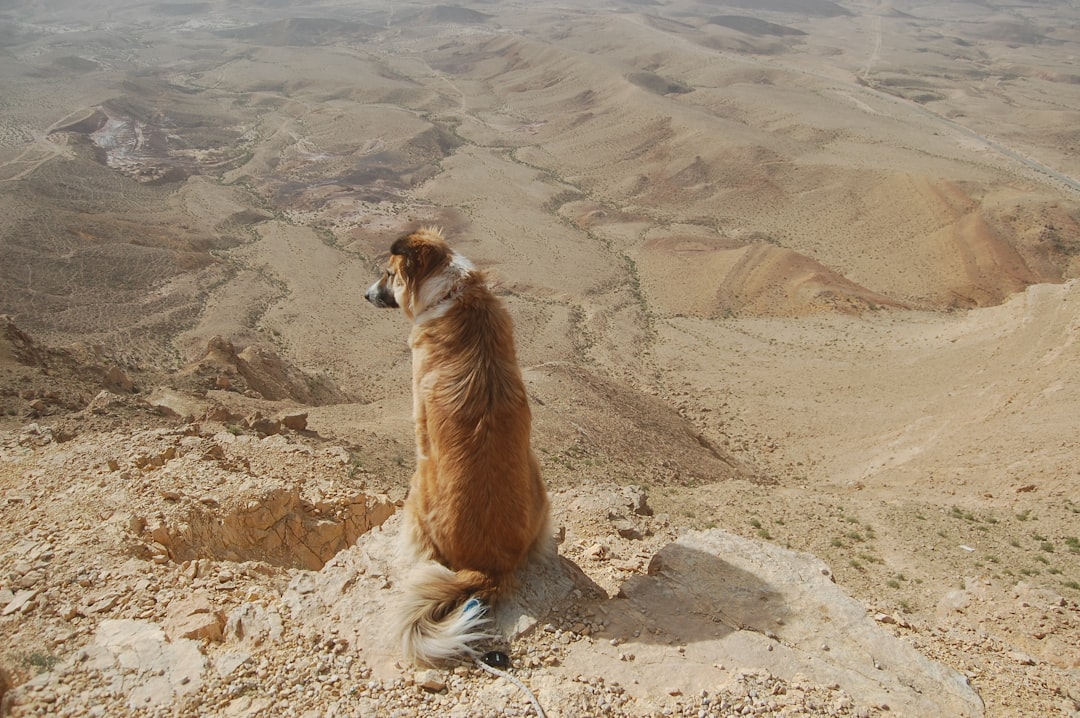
[474,608]
[513,679]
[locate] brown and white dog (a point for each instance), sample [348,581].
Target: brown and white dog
[477,510]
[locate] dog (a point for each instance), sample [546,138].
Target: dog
[477,509]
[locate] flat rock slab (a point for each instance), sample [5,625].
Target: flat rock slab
[145,666]
[712,606]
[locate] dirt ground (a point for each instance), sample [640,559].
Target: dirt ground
[806,272]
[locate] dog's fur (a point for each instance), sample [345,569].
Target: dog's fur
[477,509]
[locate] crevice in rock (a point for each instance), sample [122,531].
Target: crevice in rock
[278,527]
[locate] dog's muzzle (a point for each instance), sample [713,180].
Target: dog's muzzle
[380,296]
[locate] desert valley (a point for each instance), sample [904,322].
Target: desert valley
[795,292]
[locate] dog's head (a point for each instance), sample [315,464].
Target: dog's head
[419,274]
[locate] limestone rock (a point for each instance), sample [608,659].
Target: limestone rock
[953,602]
[227,663]
[710,599]
[194,617]
[430,680]
[102,603]
[728,600]
[155,671]
[263,425]
[114,379]
[275,379]
[253,625]
[262,372]
[295,420]
[22,602]
[169,402]
[637,500]
[104,402]
[626,528]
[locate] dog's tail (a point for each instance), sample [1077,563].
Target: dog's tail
[443,613]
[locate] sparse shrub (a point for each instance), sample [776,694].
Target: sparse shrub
[356,465]
[755,523]
[40,661]
[957,513]
[1047,547]
[1024,515]
[892,583]
[1073,544]
[1071,584]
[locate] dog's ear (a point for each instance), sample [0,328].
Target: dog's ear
[400,247]
[420,256]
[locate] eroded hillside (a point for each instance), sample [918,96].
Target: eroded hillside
[806,272]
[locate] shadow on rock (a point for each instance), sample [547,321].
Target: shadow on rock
[701,596]
[713,602]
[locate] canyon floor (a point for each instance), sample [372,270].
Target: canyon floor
[799,273]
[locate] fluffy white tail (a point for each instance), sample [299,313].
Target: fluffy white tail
[440,616]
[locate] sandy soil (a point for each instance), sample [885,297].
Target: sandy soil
[804,271]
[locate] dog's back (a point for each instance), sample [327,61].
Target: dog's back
[478,479]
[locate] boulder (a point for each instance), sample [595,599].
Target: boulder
[295,420]
[175,404]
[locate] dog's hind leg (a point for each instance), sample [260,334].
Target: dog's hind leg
[416,544]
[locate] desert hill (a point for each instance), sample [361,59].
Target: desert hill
[797,279]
